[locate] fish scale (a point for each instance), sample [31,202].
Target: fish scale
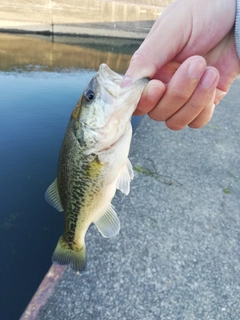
[93,163]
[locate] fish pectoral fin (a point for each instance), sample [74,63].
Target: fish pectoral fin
[108,224]
[52,196]
[125,177]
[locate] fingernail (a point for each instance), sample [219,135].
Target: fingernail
[126,82]
[151,93]
[208,79]
[196,68]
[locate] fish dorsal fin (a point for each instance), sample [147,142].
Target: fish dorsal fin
[108,224]
[125,177]
[52,196]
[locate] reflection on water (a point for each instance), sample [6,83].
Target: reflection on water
[40,83]
[40,53]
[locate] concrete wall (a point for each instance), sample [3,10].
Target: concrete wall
[131,19]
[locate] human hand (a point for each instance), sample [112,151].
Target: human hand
[191,57]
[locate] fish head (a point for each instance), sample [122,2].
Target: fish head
[106,109]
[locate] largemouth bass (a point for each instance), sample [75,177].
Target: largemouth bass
[93,163]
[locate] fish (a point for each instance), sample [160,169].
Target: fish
[93,163]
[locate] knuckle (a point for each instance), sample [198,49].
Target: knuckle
[157,116]
[141,55]
[196,125]
[203,118]
[174,125]
[196,105]
[137,57]
[199,102]
[180,95]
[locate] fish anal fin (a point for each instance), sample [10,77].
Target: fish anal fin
[64,255]
[125,177]
[52,196]
[108,224]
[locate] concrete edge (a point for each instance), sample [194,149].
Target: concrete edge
[43,292]
[77,31]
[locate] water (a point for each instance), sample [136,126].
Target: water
[40,83]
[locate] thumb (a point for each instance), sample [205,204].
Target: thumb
[166,39]
[142,65]
[152,55]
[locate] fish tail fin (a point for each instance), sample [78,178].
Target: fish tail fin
[64,255]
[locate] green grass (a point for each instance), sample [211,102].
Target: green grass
[154,174]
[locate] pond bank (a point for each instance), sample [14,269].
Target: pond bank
[122,19]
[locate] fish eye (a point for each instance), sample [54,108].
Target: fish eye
[89,95]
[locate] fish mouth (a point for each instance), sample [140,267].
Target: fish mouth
[110,81]
[123,100]
[109,75]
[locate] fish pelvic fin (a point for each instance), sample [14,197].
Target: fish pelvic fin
[64,254]
[125,176]
[108,224]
